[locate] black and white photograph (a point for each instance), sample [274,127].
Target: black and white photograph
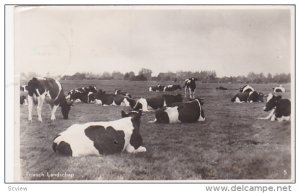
[154,93]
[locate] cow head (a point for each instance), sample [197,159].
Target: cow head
[34,85]
[65,109]
[272,101]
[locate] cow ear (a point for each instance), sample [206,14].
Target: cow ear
[123,114]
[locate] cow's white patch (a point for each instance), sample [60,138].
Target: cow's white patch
[150,88]
[284,118]
[165,104]
[144,103]
[270,96]
[237,100]
[40,78]
[98,102]
[77,101]
[200,108]
[113,103]
[82,145]
[68,97]
[173,114]
[125,103]
[59,89]
[247,87]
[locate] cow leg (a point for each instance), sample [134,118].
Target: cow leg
[53,112]
[41,99]
[269,116]
[30,106]
[273,118]
[185,91]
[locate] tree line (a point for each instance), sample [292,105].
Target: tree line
[202,76]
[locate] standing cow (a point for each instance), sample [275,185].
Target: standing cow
[190,86]
[52,91]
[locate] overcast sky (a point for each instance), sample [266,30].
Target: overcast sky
[229,40]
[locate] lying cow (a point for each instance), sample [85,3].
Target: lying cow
[105,99]
[190,86]
[278,89]
[184,112]
[81,94]
[172,87]
[50,90]
[102,138]
[280,108]
[250,97]
[158,88]
[246,88]
[221,88]
[156,102]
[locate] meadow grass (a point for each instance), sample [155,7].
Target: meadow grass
[231,144]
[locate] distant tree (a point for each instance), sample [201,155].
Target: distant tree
[145,73]
[129,75]
[117,76]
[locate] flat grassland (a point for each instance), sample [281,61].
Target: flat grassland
[230,144]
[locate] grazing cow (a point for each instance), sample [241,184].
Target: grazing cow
[279,89]
[221,88]
[250,97]
[172,87]
[156,102]
[81,94]
[183,112]
[246,88]
[105,99]
[157,88]
[52,91]
[280,108]
[119,92]
[102,138]
[190,86]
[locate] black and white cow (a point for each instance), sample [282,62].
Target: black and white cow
[280,108]
[105,99]
[52,91]
[172,87]
[102,138]
[184,112]
[190,86]
[278,89]
[158,88]
[119,92]
[81,94]
[250,97]
[246,88]
[155,102]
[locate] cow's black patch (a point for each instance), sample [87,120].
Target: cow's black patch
[189,112]
[170,99]
[161,116]
[106,141]
[155,102]
[62,148]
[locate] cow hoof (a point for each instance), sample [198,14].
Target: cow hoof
[141,149]
[40,120]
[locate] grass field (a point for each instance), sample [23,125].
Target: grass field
[231,144]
